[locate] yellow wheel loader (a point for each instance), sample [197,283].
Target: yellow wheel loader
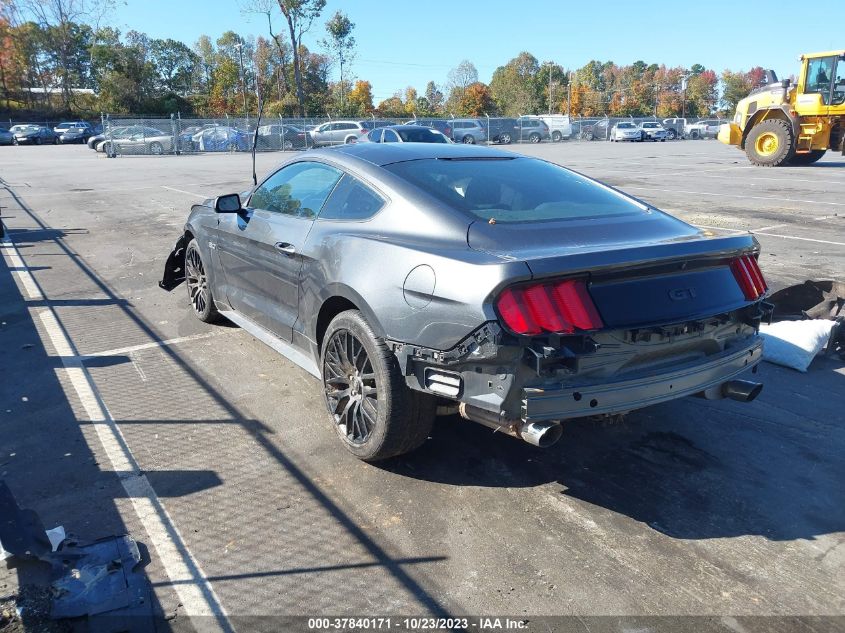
[782,124]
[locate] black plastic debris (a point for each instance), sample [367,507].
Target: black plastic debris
[97,586]
[21,531]
[814,300]
[810,300]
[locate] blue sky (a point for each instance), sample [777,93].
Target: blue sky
[409,43]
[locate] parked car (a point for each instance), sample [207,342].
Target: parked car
[343,132]
[467,131]
[583,128]
[533,129]
[406,134]
[407,276]
[599,131]
[502,130]
[61,128]
[559,126]
[674,128]
[441,125]
[222,138]
[6,137]
[281,136]
[708,128]
[625,131]
[137,139]
[34,135]
[77,134]
[94,141]
[652,131]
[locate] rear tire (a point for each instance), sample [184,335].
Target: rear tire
[199,290]
[156,149]
[375,414]
[770,143]
[468,140]
[505,139]
[556,136]
[534,137]
[807,159]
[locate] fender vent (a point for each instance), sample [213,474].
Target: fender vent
[444,383]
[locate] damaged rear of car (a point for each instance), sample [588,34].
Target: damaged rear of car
[507,289]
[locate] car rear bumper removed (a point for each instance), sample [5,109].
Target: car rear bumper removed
[620,396]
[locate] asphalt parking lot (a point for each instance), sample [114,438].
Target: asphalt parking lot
[121,412]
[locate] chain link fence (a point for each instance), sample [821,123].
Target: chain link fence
[115,135]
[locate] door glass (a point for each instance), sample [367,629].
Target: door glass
[390,137]
[819,73]
[298,190]
[375,136]
[839,83]
[351,200]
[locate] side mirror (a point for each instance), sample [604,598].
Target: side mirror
[230,203]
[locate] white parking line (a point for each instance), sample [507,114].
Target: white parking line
[768,228]
[188,579]
[119,351]
[20,270]
[731,195]
[190,193]
[803,239]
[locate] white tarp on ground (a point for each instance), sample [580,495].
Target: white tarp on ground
[795,343]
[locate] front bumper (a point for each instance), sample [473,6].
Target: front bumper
[619,396]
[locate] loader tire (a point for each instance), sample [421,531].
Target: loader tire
[807,159]
[770,143]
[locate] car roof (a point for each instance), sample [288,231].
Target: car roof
[405,126]
[384,154]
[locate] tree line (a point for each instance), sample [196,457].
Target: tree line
[56,58]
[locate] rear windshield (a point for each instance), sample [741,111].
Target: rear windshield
[513,189]
[421,135]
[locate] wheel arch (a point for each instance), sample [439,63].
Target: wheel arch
[340,298]
[775,112]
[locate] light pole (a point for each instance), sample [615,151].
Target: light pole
[684,99]
[240,47]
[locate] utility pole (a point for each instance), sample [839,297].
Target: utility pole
[684,100]
[240,47]
[550,86]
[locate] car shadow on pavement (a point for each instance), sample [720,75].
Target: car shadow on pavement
[690,469]
[323,530]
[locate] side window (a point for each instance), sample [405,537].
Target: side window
[350,126]
[390,137]
[375,136]
[351,200]
[839,83]
[819,74]
[298,190]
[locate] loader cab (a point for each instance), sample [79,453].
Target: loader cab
[821,88]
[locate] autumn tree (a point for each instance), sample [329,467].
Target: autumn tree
[459,79]
[360,98]
[476,100]
[434,97]
[516,86]
[340,43]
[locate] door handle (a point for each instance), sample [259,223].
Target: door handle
[285,247]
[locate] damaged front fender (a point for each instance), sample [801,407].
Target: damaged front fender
[174,267]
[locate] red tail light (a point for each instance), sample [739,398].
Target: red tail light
[562,307]
[749,277]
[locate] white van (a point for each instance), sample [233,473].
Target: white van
[559,126]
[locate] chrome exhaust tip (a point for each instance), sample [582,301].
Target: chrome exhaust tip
[541,434]
[742,390]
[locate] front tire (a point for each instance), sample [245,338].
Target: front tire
[468,140]
[199,290]
[156,149]
[375,414]
[505,139]
[534,138]
[807,159]
[556,136]
[770,143]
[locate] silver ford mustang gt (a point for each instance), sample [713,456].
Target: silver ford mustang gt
[414,279]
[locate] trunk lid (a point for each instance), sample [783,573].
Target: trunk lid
[647,269]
